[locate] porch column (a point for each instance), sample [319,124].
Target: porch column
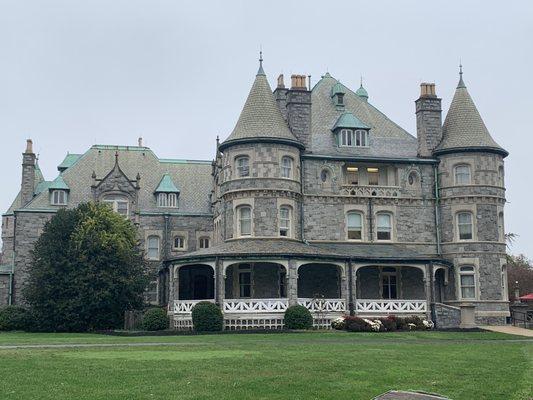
[173,285]
[219,283]
[353,287]
[292,282]
[428,282]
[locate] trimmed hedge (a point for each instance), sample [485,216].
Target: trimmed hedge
[207,317]
[155,319]
[15,318]
[298,317]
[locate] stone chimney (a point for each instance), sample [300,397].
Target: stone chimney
[298,105]
[27,188]
[428,120]
[280,94]
[140,142]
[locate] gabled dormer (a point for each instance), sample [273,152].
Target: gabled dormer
[349,131]
[167,193]
[337,95]
[59,192]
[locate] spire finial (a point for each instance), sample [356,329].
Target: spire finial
[260,71]
[361,80]
[461,83]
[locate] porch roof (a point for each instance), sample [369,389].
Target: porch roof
[386,252]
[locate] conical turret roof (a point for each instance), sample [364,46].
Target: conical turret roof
[464,128]
[260,117]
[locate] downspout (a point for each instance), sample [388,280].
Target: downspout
[167,244]
[437,205]
[370,220]
[350,288]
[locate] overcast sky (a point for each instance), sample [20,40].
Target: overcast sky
[77,73]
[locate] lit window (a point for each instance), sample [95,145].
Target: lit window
[355,225]
[350,138]
[245,281]
[285,221]
[245,220]
[468,282]
[243,167]
[59,197]
[152,252]
[384,226]
[119,204]
[204,242]
[352,175]
[286,167]
[389,283]
[464,225]
[179,242]
[462,175]
[373,176]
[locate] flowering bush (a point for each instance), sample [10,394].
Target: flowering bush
[338,323]
[356,324]
[387,324]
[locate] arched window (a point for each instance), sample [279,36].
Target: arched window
[152,248]
[501,176]
[179,243]
[324,175]
[462,174]
[464,225]
[203,242]
[286,167]
[412,179]
[59,197]
[244,214]
[285,221]
[243,166]
[118,203]
[354,222]
[467,279]
[384,226]
[501,228]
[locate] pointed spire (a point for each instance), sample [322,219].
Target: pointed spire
[260,71]
[461,84]
[361,92]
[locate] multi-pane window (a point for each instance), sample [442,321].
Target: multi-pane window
[243,166]
[384,226]
[244,214]
[245,281]
[204,242]
[373,176]
[389,283]
[355,225]
[152,248]
[179,242]
[286,167]
[59,197]
[467,280]
[285,221]
[464,225]
[167,200]
[351,138]
[352,176]
[119,204]
[462,174]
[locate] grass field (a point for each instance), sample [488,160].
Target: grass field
[327,365]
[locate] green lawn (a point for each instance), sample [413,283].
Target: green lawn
[328,365]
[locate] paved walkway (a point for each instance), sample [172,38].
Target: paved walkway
[510,329]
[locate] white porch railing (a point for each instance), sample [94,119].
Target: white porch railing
[236,306]
[185,306]
[323,305]
[390,306]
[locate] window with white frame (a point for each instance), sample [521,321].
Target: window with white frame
[351,138]
[464,225]
[462,174]
[179,242]
[352,175]
[152,247]
[285,221]
[354,222]
[58,197]
[373,176]
[118,203]
[286,167]
[384,226]
[243,166]
[245,281]
[167,200]
[504,282]
[501,228]
[467,280]
[244,214]
[389,283]
[203,242]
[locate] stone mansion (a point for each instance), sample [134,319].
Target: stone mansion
[315,198]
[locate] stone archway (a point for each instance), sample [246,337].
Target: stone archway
[258,280]
[320,280]
[196,282]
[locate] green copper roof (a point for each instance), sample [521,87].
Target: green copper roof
[69,161]
[42,186]
[361,92]
[58,184]
[338,88]
[348,120]
[166,185]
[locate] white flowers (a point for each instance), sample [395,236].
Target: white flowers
[428,324]
[376,325]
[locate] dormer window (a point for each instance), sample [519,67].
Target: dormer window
[353,138]
[337,95]
[58,197]
[167,200]
[350,131]
[167,193]
[118,203]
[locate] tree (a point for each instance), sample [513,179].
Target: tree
[87,270]
[519,269]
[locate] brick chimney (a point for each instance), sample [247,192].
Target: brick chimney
[27,188]
[428,120]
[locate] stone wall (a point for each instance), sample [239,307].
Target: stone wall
[4,290]
[445,316]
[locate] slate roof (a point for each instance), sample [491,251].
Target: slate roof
[282,247]
[260,116]
[463,127]
[387,139]
[69,161]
